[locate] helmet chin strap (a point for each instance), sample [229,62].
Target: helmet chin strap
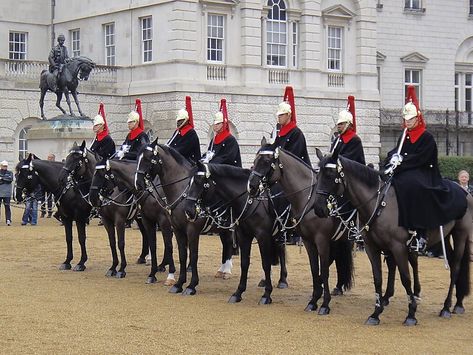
[183,124]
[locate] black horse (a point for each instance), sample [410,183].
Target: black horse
[71,204]
[77,68]
[175,173]
[118,176]
[379,217]
[251,218]
[297,180]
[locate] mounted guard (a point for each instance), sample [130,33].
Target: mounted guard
[103,144]
[185,139]
[425,200]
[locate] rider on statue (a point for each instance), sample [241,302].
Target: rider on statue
[426,201]
[103,144]
[57,58]
[185,139]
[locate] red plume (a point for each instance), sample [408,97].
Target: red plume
[351,109]
[289,97]
[102,113]
[220,137]
[412,97]
[189,111]
[141,123]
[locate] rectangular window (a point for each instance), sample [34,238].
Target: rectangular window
[17,45]
[295,40]
[334,48]
[413,77]
[109,33]
[215,38]
[468,92]
[75,42]
[457,91]
[276,41]
[147,39]
[471,7]
[413,4]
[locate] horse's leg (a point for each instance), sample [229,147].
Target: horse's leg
[415,271]
[144,249]
[181,238]
[58,101]
[120,226]
[463,279]
[324,255]
[245,250]
[82,236]
[401,256]
[391,279]
[74,95]
[66,265]
[148,231]
[193,256]
[110,228]
[168,259]
[225,269]
[375,259]
[41,102]
[314,269]
[281,250]
[68,100]
[267,256]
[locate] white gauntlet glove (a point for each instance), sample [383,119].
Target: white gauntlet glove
[396,159]
[208,157]
[120,154]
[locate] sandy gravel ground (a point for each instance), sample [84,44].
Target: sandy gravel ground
[47,311]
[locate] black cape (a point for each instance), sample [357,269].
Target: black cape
[295,143]
[352,150]
[227,152]
[188,145]
[425,200]
[105,148]
[136,145]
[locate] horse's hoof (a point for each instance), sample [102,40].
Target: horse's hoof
[79,267]
[161,268]
[226,276]
[445,313]
[385,302]
[169,282]
[262,283]
[189,291]
[282,284]
[410,321]
[175,289]
[219,275]
[265,300]
[372,321]
[311,307]
[189,269]
[337,292]
[323,311]
[235,299]
[65,266]
[151,280]
[458,310]
[141,261]
[120,274]
[111,273]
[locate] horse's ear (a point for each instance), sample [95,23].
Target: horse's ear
[34,156]
[319,153]
[155,142]
[74,146]
[263,141]
[82,146]
[28,159]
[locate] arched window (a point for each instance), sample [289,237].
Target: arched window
[276,34]
[23,144]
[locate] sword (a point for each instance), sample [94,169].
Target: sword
[443,248]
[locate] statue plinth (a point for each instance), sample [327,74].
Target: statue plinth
[58,134]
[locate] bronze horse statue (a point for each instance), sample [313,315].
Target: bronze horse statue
[77,68]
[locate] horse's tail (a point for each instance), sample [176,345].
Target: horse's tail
[463,280]
[43,78]
[342,252]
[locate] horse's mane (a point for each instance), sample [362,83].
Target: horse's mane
[364,173]
[176,155]
[231,171]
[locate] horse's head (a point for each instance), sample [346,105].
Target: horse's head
[85,67]
[26,177]
[103,183]
[265,170]
[149,165]
[77,164]
[329,182]
[201,186]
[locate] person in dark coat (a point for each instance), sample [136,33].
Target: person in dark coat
[289,136]
[185,139]
[223,148]
[425,200]
[136,139]
[348,144]
[103,144]
[6,179]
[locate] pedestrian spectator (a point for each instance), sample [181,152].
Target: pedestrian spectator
[6,178]
[47,198]
[463,179]
[31,207]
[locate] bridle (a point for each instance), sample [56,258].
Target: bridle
[72,179]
